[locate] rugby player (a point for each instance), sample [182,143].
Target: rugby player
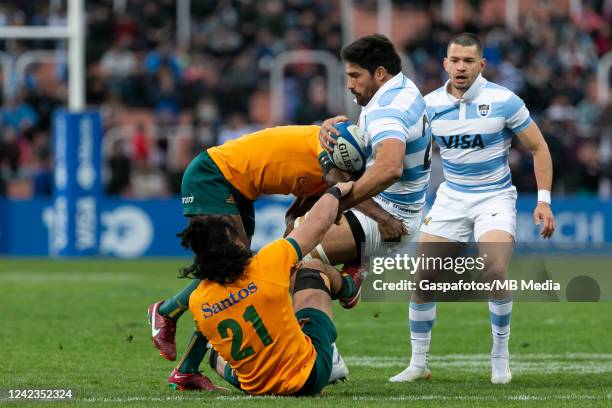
[473,121]
[244,307]
[398,139]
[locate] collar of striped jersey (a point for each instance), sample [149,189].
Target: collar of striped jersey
[390,84]
[472,91]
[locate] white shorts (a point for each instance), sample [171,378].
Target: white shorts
[456,215]
[374,245]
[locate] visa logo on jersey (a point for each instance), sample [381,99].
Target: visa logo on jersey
[462,141]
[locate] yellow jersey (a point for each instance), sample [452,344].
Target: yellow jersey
[252,325]
[280,160]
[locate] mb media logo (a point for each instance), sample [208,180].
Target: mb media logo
[187,200]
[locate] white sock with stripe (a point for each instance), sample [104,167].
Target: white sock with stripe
[500,311]
[422,317]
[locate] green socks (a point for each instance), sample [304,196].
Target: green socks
[194,354]
[347,289]
[179,303]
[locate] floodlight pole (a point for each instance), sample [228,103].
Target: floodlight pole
[183,23]
[512,14]
[385,8]
[448,11]
[346,9]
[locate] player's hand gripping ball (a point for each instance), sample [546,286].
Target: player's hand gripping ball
[349,150]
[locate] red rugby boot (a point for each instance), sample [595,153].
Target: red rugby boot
[191,382]
[358,272]
[163,330]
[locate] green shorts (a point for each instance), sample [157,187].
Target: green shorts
[205,191]
[322,332]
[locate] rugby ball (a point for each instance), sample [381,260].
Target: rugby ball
[349,150]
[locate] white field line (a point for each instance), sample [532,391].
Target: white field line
[526,363]
[522,356]
[516,397]
[519,397]
[583,363]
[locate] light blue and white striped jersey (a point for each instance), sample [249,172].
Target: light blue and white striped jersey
[397,111]
[474,134]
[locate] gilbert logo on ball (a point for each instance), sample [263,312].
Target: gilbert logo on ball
[349,150]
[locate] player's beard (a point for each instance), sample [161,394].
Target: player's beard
[364,98]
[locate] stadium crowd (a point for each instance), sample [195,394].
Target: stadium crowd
[138,76]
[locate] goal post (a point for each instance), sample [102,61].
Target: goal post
[74,33]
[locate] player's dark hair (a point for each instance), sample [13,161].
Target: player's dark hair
[217,256]
[467,40]
[371,52]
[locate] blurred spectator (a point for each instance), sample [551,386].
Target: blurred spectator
[141,147]
[112,112]
[117,65]
[207,112]
[100,29]
[510,75]
[602,39]
[560,110]
[151,22]
[18,115]
[180,157]
[95,88]
[165,97]
[196,79]
[587,174]
[148,181]
[43,167]
[126,29]
[237,83]
[9,150]
[120,170]
[315,111]
[206,123]
[271,17]
[237,126]
[588,111]
[44,100]
[162,57]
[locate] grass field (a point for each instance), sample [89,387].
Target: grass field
[81,325]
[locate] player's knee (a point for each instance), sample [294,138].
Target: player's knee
[313,264]
[494,271]
[311,277]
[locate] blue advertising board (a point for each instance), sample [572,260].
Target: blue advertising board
[136,228]
[579,220]
[77,183]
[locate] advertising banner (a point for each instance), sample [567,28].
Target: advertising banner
[136,228]
[77,183]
